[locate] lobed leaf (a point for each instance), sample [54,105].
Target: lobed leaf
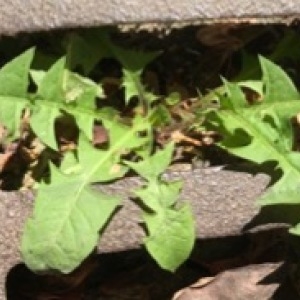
[64,227]
[14,76]
[68,214]
[76,86]
[86,50]
[60,90]
[156,195]
[263,132]
[51,85]
[277,84]
[153,166]
[14,80]
[171,230]
[133,63]
[171,236]
[42,123]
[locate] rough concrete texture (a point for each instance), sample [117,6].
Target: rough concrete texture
[223,202]
[32,15]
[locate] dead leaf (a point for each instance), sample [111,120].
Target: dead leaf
[9,151]
[177,136]
[245,283]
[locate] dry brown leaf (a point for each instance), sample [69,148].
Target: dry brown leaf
[177,136]
[9,151]
[245,283]
[4,158]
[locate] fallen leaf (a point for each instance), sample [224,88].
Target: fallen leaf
[245,283]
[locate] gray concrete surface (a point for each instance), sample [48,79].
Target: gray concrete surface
[32,15]
[223,202]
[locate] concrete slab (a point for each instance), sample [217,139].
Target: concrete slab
[223,202]
[34,15]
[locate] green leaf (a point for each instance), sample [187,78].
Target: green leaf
[101,165]
[70,164]
[133,63]
[235,99]
[153,166]
[61,90]
[69,213]
[85,123]
[295,230]
[263,132]
[132,60]
[160,116]
[89,49]
[287,47]
[133,85]
[10,113]
[86,51]
[139,133]
[51,85]
[250,67]
[171,230]
[14,76]
[13,91]
[277,84]
[173,98]
[64,227]
[83,92]
[37,76]
[171,236]
[155,196]
[48,103]
[76,86]
[42,123]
